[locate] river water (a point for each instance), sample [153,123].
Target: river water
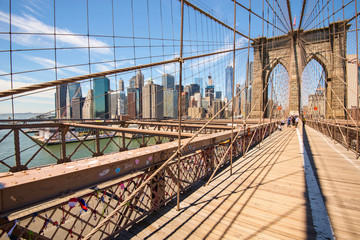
[28,148]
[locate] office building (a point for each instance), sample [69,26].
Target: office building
[168,81]
[218,95]
[121,85]
[170,103]
[114,104]
[133,102]
[196,112]
[76,107]
[73,91]
[177,88]
[209,93]
[193,88]
[122,103]
[136,82]
[153,101]
[101,88]
[217,106]
[60,101]
[228,82]
[199,81]
[88,107]
[184,103]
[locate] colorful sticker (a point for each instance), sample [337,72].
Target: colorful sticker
[137,161]
[150,158]
[117,170]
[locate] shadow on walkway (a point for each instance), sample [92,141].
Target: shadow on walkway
[255,165]
[311,231]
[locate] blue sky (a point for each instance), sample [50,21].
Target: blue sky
[140,23]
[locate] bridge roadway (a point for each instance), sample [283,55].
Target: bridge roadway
[269,196]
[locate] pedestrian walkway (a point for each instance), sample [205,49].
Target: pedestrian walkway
[268,197]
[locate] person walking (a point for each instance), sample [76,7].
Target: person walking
[288,121]
[304,121]
[296,121]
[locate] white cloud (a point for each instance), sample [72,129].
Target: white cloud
[30,24]
[49,63]
[170,68]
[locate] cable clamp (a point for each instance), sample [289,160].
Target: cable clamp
[180,60]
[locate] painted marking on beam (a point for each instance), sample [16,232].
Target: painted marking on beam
[320,216]
[331,145]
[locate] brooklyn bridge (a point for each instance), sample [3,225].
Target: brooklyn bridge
[179,119]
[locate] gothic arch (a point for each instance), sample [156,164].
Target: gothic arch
[295,50]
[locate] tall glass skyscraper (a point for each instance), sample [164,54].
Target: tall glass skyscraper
[200,82]
[60,100]
[73,92]
[168,81]
[101,97]
[228,82]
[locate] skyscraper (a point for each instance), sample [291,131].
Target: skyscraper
[153,101]
[60,101]
[199,81]
[76,107]
[171,103]
[228,82]
[133,103]
[132,82]
[122,103]
[73,91]
[210,91]
[88,108]
[194,88]
[114,101]
[168,81]
[170,96]
[101,97]
[121,85]
[218,94]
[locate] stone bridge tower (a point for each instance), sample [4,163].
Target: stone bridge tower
[294,51]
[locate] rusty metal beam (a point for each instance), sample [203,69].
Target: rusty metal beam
[130,130]
[182,125]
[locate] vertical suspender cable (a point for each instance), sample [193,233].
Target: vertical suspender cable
[233,84]
[179,102]
[247,80]
[11,63]
[357,89]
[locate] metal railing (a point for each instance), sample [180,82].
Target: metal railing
[342,133]
[74,216]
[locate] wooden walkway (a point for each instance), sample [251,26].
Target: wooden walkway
[266,197]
